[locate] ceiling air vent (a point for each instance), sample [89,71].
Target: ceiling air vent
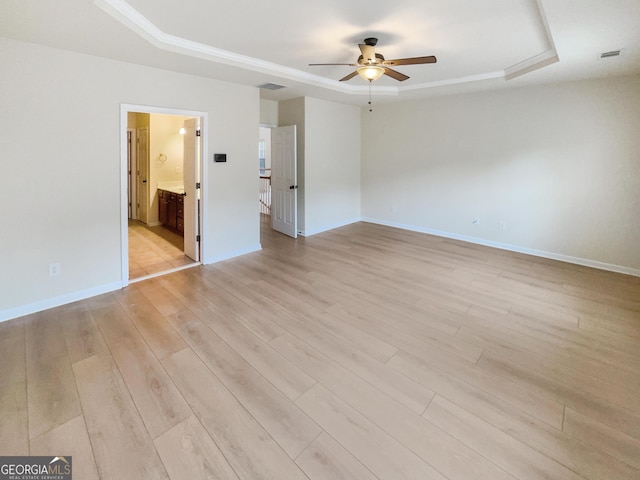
[271,86]
[612,53]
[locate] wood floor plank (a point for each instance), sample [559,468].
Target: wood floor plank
[14,421]
[326,459]
[51,391]
[361,352]
[540,406]
[285,422]
[572,342]
[13,328]
[158,334]
[446,454]
[492,336]
[557,445]
[384,455]
[602,437]
[588,404]
[121,444]
[283,374]
[71,439]
[406,391]
[81,334]
[614,393]
[515,457]
[160,404]
[161,299]
[13,360]
[219,288]
[249,449]
[188,451]
[419,328]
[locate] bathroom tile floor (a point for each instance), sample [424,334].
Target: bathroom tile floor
[154,249]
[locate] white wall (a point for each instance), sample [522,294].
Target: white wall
[328,144]
[332,165]
[60,144]
[559,164]
[268,113]
[166,152]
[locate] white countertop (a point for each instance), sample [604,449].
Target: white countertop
[173,187]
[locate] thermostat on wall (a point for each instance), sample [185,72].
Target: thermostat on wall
[219,157]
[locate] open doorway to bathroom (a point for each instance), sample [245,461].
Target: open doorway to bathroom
[163,205]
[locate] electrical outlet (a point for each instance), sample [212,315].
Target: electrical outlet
[475,220]
[54,269]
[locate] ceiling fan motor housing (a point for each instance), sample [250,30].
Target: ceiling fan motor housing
[379,59]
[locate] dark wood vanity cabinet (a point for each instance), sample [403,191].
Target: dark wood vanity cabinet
[171,210]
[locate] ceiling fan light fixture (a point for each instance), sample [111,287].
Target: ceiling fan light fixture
[370,72]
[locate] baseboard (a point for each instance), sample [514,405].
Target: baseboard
[229,255]
[512,248]
[326,228]
[57,301]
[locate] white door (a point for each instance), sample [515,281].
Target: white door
[142,174]
[191,169]
[284,181]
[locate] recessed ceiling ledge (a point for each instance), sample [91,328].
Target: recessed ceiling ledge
[124,13]
[534,63]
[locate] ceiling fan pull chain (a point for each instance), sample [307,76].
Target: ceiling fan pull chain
[370,109]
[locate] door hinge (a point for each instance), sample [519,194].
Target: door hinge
[197,185]
[197,132]
[197,238]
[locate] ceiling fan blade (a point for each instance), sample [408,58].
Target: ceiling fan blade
[349,77]
[401,77]
[323,64]
[368,53]
[411,61]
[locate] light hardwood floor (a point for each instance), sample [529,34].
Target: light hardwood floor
[362,353]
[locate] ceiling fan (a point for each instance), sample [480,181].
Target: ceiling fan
[371,65]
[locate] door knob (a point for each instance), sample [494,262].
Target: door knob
[293,187]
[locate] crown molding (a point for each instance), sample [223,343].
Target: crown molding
[124,13]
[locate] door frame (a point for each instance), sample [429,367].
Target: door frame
[125,108]
[132,165]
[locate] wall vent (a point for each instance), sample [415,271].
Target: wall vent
[271,86]
[612,53]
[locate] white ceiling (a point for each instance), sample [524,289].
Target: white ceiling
[479,43]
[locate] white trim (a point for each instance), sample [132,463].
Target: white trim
[537,61]
[326,228]
[124,13]
[455,81]
[534,63]
[57,301]
[512,248]
[164,272]
[230,255]
[124,229]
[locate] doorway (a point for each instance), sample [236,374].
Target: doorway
[161,180]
